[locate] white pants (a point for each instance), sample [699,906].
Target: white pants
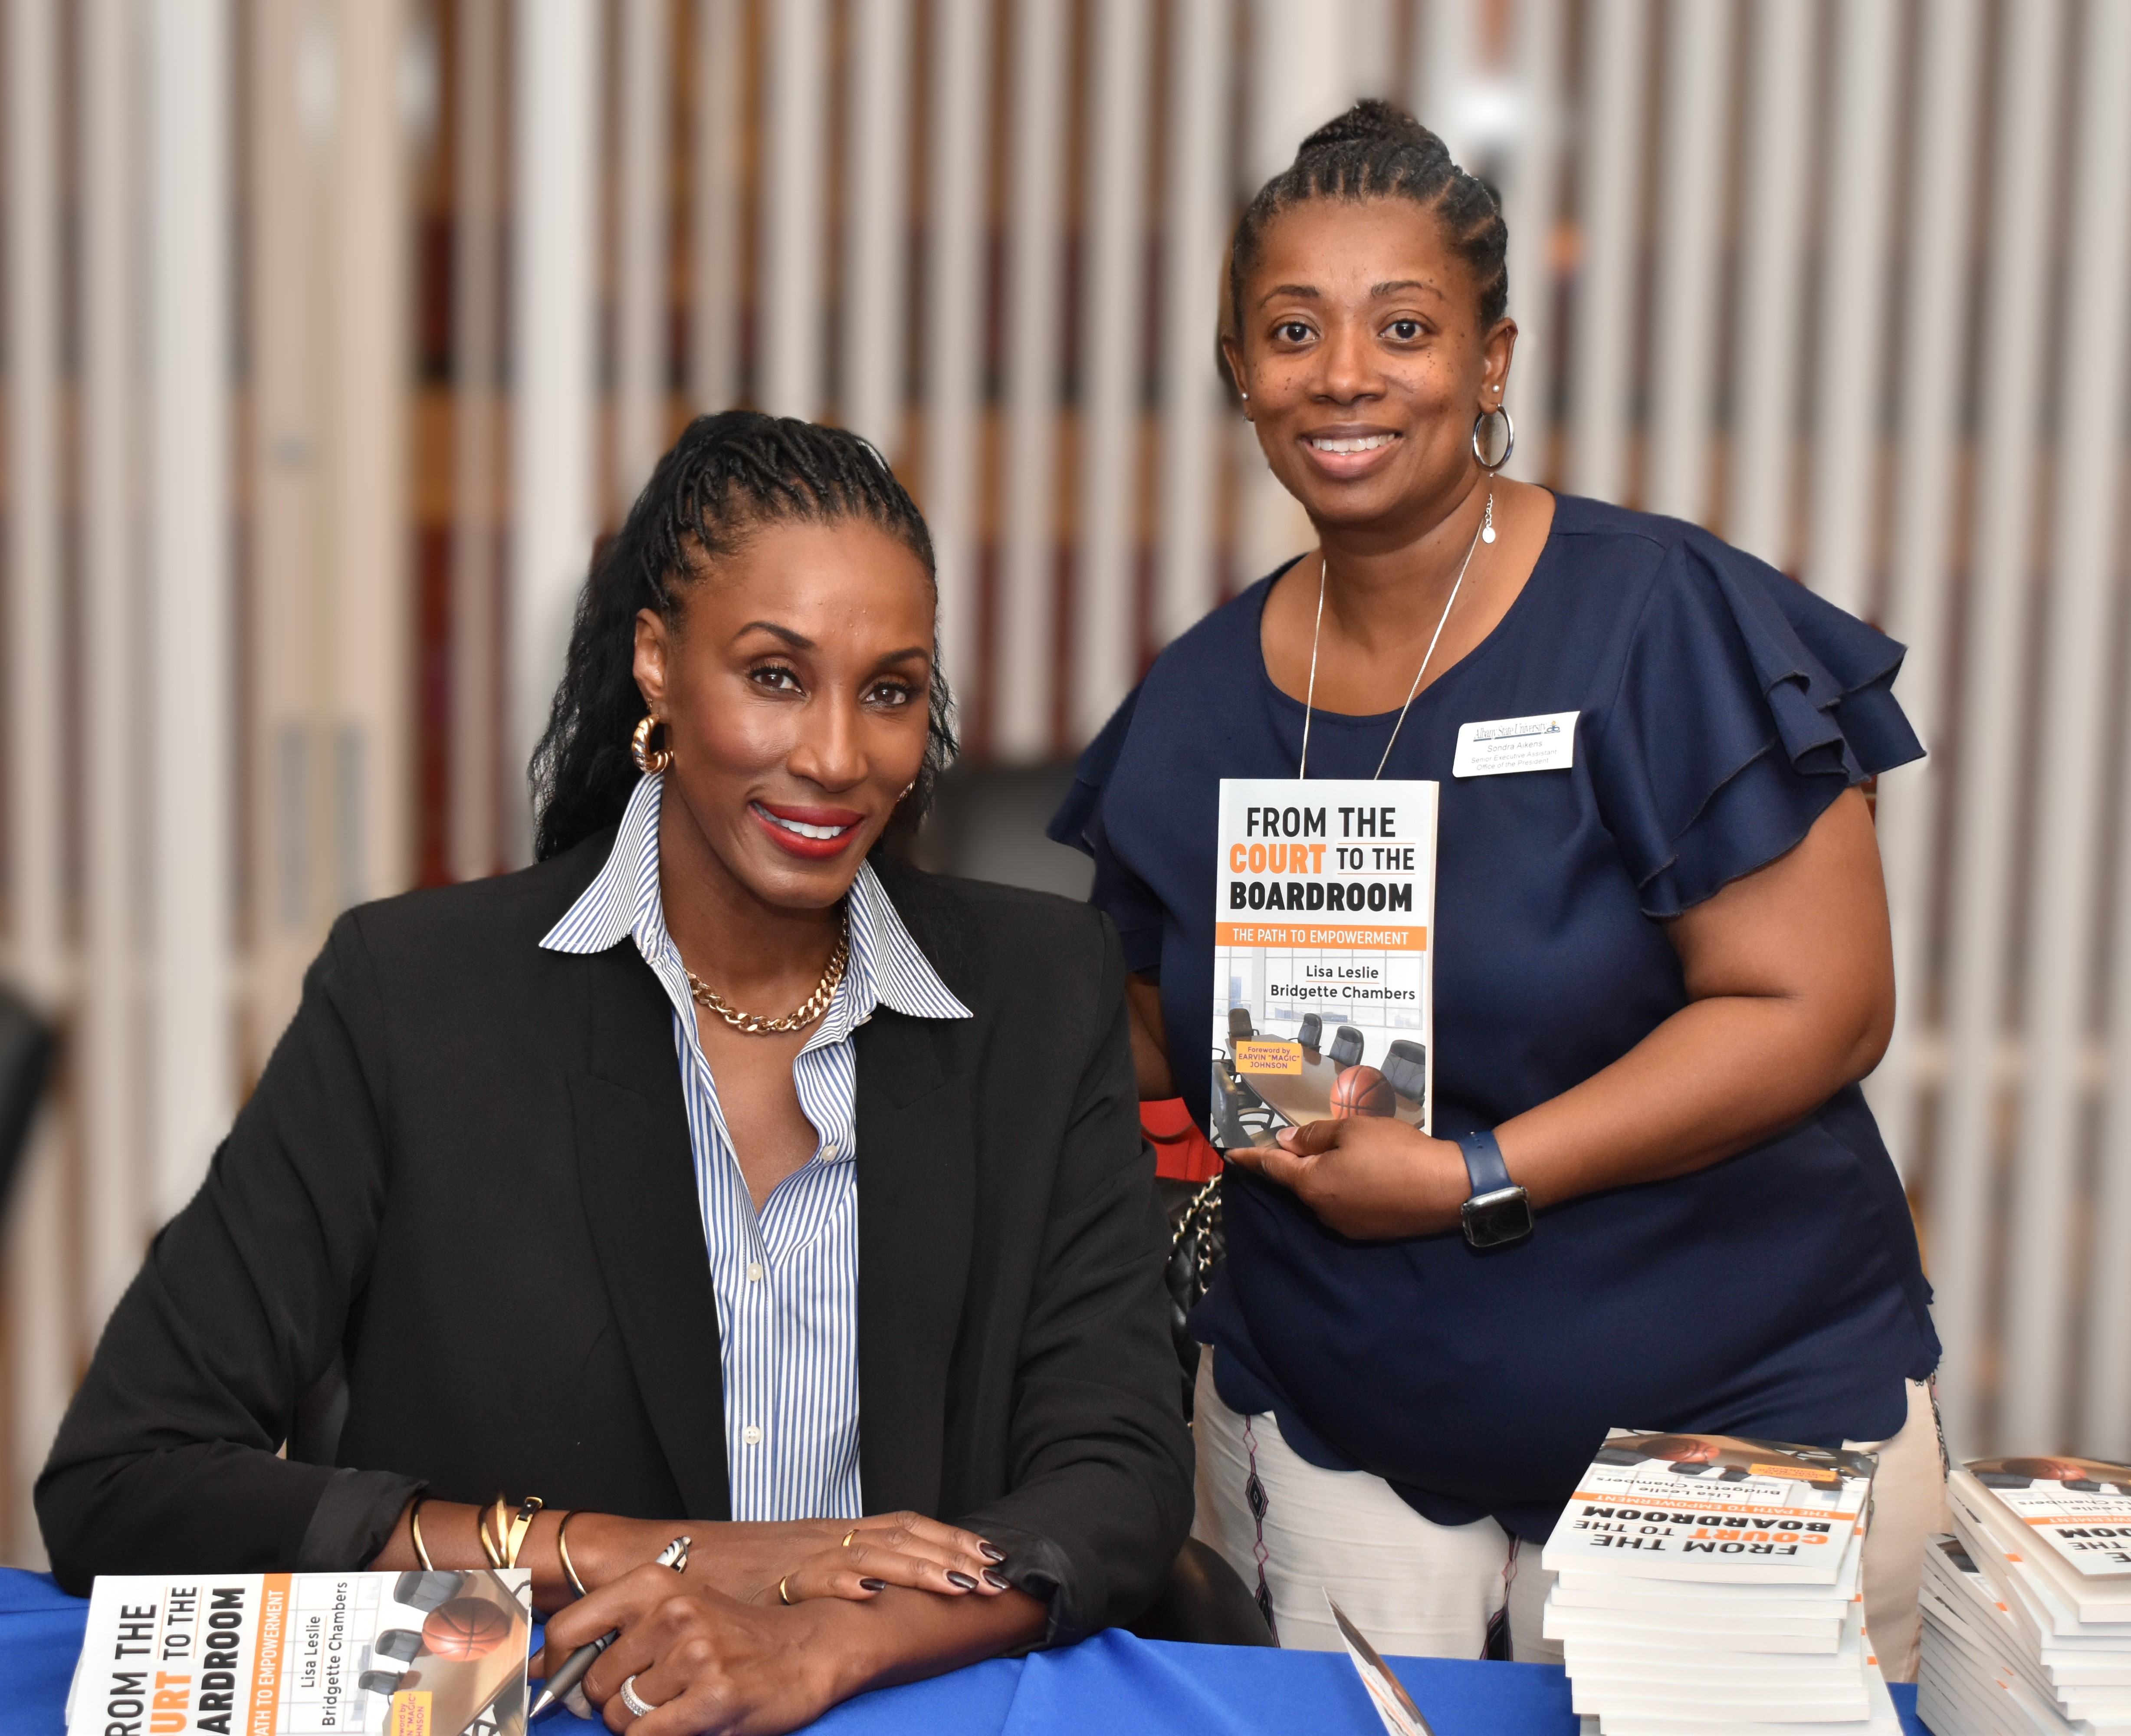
[1421,1590]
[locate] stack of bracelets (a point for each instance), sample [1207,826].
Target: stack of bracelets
[503,1534]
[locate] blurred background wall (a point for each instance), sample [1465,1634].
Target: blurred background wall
[336,331]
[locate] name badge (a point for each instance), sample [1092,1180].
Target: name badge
[1545,743]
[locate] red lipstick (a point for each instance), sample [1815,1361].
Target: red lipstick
[813,834]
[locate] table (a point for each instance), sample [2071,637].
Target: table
[1110,1683]
[1302,1097]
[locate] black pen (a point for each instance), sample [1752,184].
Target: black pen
[675,1556]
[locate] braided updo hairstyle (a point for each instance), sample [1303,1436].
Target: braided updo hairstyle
[727,475]
[1376,150]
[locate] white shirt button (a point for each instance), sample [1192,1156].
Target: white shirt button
[829,1151]
[754,1272]
[751,1435]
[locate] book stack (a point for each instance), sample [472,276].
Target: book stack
[2028,1606]
[1705,1583]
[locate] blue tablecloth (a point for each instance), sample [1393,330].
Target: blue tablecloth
[1111,1683]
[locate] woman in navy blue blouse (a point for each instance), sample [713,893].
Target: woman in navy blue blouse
[1660,970]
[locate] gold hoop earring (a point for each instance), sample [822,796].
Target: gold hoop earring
[1483,445]
[639,747]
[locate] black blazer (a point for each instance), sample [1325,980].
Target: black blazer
[466,1174]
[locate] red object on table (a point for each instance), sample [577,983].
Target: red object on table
[1181,1150]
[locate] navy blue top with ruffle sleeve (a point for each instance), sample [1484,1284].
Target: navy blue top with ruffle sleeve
[1778,1294]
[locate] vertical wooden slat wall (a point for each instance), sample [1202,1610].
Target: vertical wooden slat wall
[1990,765]
[1850,283]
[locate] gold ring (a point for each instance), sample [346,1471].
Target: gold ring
[848,1535]
[783,1596]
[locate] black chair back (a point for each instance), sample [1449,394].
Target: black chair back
[26,1047]
[403,1645]
[425,1588]
[1346,1048]
[1311,1031]
[1239,1024]
[1405,1065]
[1205,1604]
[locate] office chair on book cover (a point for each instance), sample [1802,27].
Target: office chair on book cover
[402,1644]
[1240,1028]
[1405,1065]
[1239,1113]
[1310,1031]
[426,1588]
[1346,1050]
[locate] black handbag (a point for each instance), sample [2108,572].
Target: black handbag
[1195,1248]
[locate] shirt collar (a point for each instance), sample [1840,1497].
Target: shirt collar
[622,903]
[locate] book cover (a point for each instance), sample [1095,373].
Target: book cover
[2030,1526]
[2080,1508]
[1715,1507]
[1323,994]
[306,1654]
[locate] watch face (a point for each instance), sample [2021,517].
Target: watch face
[1495,1220]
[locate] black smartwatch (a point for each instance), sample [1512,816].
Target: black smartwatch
[1498,1212]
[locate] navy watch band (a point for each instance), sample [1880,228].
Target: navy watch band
[1484,1166]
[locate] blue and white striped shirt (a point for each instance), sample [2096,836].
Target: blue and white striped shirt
[786,1281]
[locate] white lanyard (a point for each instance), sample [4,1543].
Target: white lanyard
[1311,694]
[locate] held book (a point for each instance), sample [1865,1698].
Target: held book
[422,1654]
[1324,1001]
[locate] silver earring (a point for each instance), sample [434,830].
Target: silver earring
[1484,444]
[1487,523]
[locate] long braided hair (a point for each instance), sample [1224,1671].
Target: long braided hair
[1376,150]
[726,475]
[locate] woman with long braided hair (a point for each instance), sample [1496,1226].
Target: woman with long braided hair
[1654,1196]
[716,1176]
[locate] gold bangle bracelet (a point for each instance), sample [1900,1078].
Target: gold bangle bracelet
[414,1530]
[495,1514]
[563,1549]
[521,1523]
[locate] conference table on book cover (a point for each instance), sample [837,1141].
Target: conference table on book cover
[1111,1682]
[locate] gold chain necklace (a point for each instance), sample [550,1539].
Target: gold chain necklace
[754,1024]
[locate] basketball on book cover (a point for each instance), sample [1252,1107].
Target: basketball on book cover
[1362,1091]
[466,1627]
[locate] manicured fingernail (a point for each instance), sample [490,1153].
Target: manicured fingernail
[873,1584]
[990,1552]
[994,1577]
[961,1582]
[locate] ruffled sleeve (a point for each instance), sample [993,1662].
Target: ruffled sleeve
[1120,894]
[1746,704]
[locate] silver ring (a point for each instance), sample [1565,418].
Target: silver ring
[638,1706]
